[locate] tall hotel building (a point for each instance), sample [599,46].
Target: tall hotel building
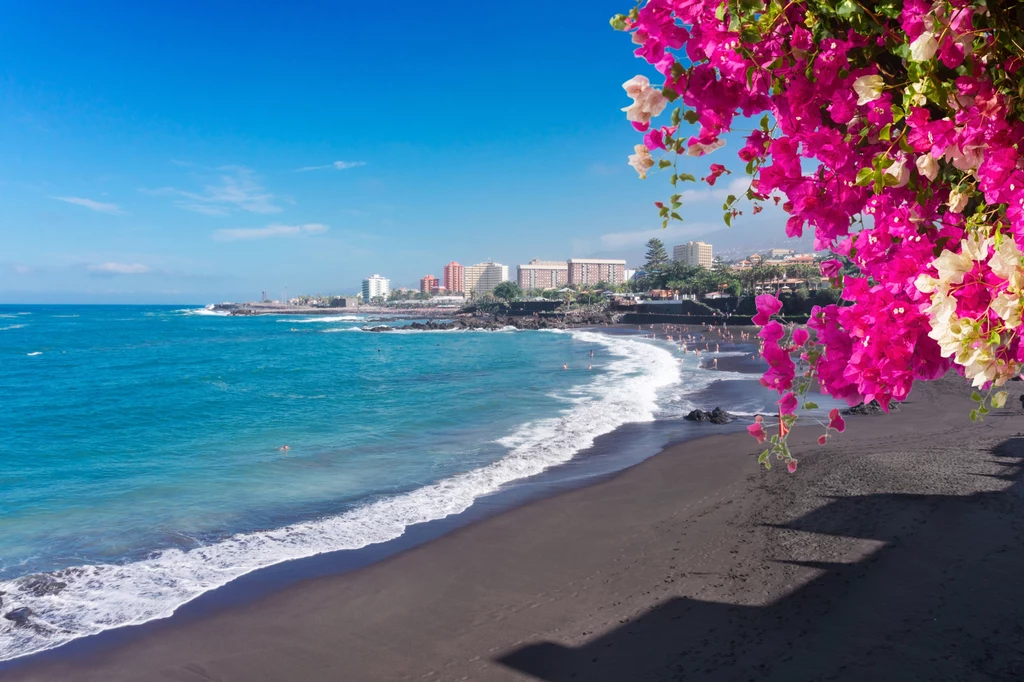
[593,270]
[428,284]
[693,254]
[483,277]
[542,274]
[376,286]
[455,278]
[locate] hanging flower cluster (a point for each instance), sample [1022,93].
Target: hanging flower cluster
[894,131]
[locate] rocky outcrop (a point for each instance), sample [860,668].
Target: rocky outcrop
[874,407]
[498,322]
[42,585]
[715,416]
[19,616]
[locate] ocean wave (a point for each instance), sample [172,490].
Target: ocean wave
[38,352]
[102,597]
[13,326]
[199,311]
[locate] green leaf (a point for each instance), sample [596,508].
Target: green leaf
[847,8]
[810,406]
[687,177]
[677,115]
[675,216]
[664,163]
[864,176]
[974,415]
[618,22]
[670,94]
[674,179]
[885,133]
[728,219]
[982,410]
[976,397]
[763,457]
[691,116]
[764,123]
[720,12]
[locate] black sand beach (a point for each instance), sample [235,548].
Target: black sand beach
[893,553]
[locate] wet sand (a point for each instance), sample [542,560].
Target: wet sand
[894,553]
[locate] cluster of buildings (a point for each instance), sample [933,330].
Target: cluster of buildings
[482,278]
[774,257]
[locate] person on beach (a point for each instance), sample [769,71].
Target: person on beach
[714,364]
[717,348]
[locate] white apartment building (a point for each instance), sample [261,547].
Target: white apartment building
[693,254]
[376,286]
[483,277]
[589,271]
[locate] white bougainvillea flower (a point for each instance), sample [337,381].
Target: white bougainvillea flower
[957,201]
[647,103]
[868,88]
[927,166]
[924,48]
[641,160]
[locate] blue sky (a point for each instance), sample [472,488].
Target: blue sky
[197,152]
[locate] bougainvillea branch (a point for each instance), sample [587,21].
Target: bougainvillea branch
[911,115]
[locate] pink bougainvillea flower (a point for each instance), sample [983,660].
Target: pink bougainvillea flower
[835,420]
[767,305]
[830,268]
[788,403]
[757,431]
[716,170]
[791,466]
[772,332]
[822,440]
[800,336]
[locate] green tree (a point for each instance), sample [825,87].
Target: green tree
[508,291]
[657,257]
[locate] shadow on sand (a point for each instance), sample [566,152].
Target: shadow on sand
[941,599]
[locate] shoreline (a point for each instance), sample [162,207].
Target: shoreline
[611,453]
[889,555]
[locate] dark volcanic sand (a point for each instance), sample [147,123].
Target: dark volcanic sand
[895,553]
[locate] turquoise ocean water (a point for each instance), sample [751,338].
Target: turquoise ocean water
[141,461]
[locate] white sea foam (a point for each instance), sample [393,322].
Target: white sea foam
[102,597]
[326,318]
[38,352]
[202,312]
[13,326]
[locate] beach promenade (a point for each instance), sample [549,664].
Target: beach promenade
[894,553]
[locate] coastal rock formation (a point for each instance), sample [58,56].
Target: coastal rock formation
[498,322]
[715,416]
[870,408]
[42,585]
[19,616]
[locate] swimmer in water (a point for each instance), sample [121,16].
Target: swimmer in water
[590,367]
[714,364]
[565,365]
[284,448]
[591,353]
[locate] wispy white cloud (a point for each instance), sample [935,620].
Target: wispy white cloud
[239,234]
[112,209]
[23,270]
[235,189]
[621,240]
[118,269]
[337,165]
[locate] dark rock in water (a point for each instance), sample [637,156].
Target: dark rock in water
[19,616]
[720,416]
[715,416]
[42,585]
[874,407]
